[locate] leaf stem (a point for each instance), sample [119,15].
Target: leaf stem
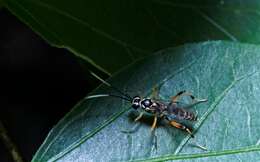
[10,144]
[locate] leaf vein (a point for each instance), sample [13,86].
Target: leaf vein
[248,123]
[202,155]
[86,24]
[210,110]
[216,25]
[57,37]
[87,136]
[192,6]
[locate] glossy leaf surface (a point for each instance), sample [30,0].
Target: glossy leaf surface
[225,73]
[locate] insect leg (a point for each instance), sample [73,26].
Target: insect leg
[136,125]
[184,93]
[154,137]
[189,130]
[155,93]
[139,116]
[182,127]
[180,94]
[153,141]
[154,123]
[195,102]
[133,129]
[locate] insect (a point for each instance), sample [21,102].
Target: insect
[169,111]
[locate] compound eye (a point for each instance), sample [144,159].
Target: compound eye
[147,103]
[135,102]
[136,99]
[135,105]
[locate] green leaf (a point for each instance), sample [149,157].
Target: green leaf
[225,73]
[1,4]
[112,34]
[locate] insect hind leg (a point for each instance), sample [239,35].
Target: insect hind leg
[188,130]
[182,127]
[195,100]
[181,94]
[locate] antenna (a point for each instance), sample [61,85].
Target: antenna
[106,95]
[129,98]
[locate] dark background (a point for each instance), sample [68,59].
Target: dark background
[38,85]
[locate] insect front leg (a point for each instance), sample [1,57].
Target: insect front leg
[133,129]
[136,126]
[139,116]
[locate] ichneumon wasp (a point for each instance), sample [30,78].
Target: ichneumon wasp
[170,111]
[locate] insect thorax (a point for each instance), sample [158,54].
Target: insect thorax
[155,108]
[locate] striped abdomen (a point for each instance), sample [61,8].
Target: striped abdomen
[181,113]
[187,115]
